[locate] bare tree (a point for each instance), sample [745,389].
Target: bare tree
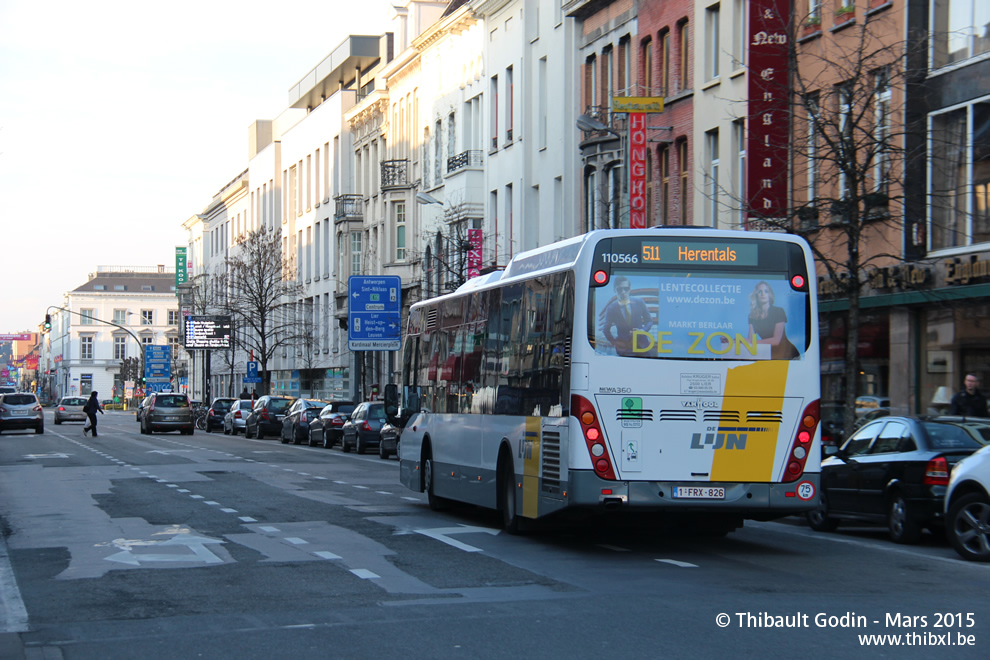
[261,295]
[847,93]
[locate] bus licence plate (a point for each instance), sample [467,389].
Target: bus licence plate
[699,492]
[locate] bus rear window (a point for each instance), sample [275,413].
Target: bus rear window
[708,315]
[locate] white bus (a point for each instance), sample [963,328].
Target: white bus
[668,369]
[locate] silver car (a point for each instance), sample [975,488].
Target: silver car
[21,410]
[167,411]
[70,409]
[233,421]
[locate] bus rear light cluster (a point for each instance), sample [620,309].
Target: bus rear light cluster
[590,428]
[801,447]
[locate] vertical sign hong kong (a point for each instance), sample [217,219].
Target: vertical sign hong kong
[474,254]
[766,145]
[637,170]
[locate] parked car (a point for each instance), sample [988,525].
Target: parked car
[870,415]
[7,389]
[978,427]
[70,409]
[167,411]
[215,414]
[894,470]
[388,443]
[21,410]
[362,430]
[328,427]
[967,507]
[295,424]
[233,421]
[266,416]
[142,407]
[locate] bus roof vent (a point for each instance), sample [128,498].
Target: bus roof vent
[432,314]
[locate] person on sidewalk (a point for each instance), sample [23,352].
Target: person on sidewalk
[91,408]
[969,402]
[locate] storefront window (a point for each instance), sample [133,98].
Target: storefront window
[960,177]
[956,343]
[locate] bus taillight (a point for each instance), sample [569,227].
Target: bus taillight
[585,413]
[802,442]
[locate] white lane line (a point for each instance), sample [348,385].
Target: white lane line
[343,483]
[268,529]
[682,564]
[211,503]
[182,490]
[326,555]
[412,499]
[229,510]
[197,497]
[247,519]
[321,478]
[295,540]
[172,486]
[364,573]
[614,548]
[362,487]
[383,492]
[305,474]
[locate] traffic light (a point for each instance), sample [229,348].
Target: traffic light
[48,322]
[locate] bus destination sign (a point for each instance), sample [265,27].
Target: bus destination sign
[206,332]
[723,252]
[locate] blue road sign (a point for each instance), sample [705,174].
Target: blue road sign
[157,363]
[252,373]
[373,312]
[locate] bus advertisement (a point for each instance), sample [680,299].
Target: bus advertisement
[665,370]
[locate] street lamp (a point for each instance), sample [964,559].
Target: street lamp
[588,124]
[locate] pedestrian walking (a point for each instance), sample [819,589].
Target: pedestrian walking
[244,394]
[969,402]
[91,408]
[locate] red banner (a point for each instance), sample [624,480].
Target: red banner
[769,79]
[637,170]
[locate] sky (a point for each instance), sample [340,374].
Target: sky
[119,120]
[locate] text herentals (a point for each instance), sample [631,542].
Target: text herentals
[206,332]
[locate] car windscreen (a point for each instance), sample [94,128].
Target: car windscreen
[74,401]
[19,399]
[172,402]
[279,405]
[950,436]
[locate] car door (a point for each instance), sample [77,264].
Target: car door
[353,424]
[841,474]
[883,461]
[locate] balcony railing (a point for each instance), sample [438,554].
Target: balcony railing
[349,206]
[470,158]
[395,173]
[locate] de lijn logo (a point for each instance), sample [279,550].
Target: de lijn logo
[719,441]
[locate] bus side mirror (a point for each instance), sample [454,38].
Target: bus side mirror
[392,403]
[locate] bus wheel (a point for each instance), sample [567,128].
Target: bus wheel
[818,518]
[437,503]
[507,497]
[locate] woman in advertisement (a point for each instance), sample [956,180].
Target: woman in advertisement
[767,322]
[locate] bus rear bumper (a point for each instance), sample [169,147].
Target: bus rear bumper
[752,500]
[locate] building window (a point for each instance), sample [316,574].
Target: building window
[147,317]
[120,316]
[451,136]
[625,67]
[683,73]
[591,82]
[682,163]
[961,30]
[739,143]
[437,153]
[509,113]
[607,83]
[812,149]
[647,51]
[355,253]
[400,231]
[881,131]
[87,316]
[173,317]
[173,343]
[712,46]
[493,111]
[119,348]
[959,192]
[86,347]
[711,185]
[664,200]
[739,33]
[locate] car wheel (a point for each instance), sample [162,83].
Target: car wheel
[57,421]
[258,433]
[295,436]
[437,503]
[360,444]
[282,438]
[226,431]
[903,528]
[344,446]
[326,442]
[818,518]
[382,454]
[968,527]
[247,431]
[39,429]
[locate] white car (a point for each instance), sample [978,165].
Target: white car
[967,506]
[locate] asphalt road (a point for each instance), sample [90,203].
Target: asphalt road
[170,546]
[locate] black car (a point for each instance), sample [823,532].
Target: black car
[215,414]
[388,443]
[892,471]
[328,427]
[362,430]
[266,417]
[295,424]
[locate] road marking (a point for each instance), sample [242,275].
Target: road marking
[682,564]
[197,544]
[343,483]
[383,492]
[441,534]
[182,490]
[229,510]
[326,555]
[362,487]
[268,529]
[37,456]
[412,499]
[247,519]
[172,486]
[197,497]
[212,503]
[295,540]
[364,573]
[612,547]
